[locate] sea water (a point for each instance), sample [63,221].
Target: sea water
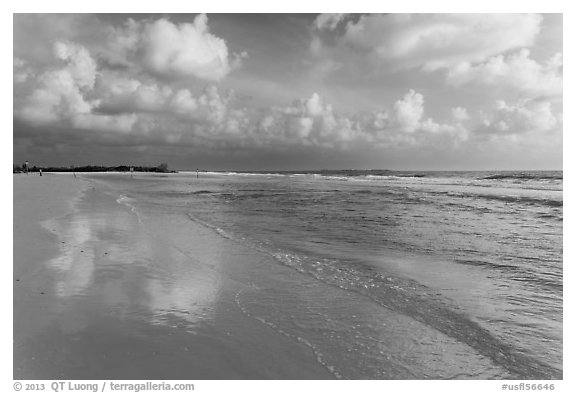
[390,274]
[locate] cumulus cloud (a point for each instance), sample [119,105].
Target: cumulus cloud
[119,93]
[460,114]
[437,41]
[59,93]
[21,71]
[328,21]
[525,116]
[174,50]
[517,71]
[154,82]
[409,110]
[151,81]
[63,96]
[407,117]
[80,64]
[79,95]
[76,94]
[310,122]
[58,97]
[313,122]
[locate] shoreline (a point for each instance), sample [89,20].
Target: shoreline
[36,200]
[131,286]
[97,295]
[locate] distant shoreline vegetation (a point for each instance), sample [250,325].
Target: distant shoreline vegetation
[162,168]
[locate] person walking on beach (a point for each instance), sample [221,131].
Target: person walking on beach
[25,166]
[40,172]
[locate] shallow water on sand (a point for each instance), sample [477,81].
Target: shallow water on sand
[450,275]
[123,300]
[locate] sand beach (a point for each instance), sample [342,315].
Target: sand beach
[232,276]
[96,295]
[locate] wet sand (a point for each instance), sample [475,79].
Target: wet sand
[102,293]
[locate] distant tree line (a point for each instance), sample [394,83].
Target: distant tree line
[162,168]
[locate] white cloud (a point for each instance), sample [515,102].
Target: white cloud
[526,116]
[75,94]
[314,105]
[78,95]
[328,21]
[80,64]
[460,114]
[517,71]
[119,93]
[174,50]
[21,71]
[213,105]
[408,118]
[380,120]
[437,41]
[59,94]
[308,122]
[409,110]
[312,122]
[150,82]
[183,102]
[64,95]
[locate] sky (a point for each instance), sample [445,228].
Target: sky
[289,91]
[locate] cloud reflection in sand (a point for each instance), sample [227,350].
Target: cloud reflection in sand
[109,259]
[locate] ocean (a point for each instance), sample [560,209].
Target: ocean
[385,274]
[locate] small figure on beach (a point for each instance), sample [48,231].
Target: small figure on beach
[196,173]
[25,166]
[40,171]
[131,171]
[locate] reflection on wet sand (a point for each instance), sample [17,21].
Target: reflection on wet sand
[109,258]
[137,291]
[75,264]
[147,273]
